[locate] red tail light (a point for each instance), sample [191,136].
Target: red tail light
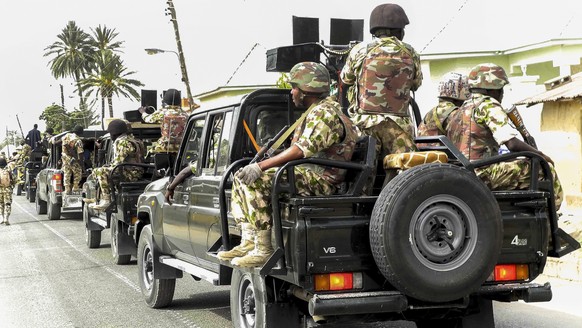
[57,182]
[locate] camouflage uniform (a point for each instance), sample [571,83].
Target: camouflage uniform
[478,129]
[382,74]
[6,196]
[71,146]
[326,133]
[173,122]
[126,149]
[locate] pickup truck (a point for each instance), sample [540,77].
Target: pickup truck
[50,197]
[433,246]
[121,215]
[32,167]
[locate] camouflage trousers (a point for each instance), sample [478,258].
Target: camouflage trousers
[515,175]
[164,145]
[252,203]
[5,201]
[391,138]
[101,174]
[72,169]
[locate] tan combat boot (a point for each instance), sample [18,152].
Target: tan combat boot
[103,203]
[247,244]
[259,255]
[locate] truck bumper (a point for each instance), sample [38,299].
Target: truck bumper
[529,292]
[357,303]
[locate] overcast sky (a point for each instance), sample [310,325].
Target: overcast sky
[218,34]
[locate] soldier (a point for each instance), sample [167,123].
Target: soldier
[325,132]
[173,120]
[7,183]
[481,126]
[382,74]
[45,143]
[72,159]
[453,91]
[126,149]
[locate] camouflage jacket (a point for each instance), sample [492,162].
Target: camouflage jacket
[173,123]
[6,171]
[381,74]
[22,155]
[435,121]
[71,146]
[326,133]
[126,149]
[479,127]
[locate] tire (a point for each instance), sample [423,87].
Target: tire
[158,293]
[115,232]
[436,232]
[92,237]
[40,205]
[31,195]
[54,210]
[19,189]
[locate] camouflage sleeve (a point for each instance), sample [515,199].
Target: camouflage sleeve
[353,64]
[417,81]
[155,117]
[491,114]
[320,131]
[121,150]
[79,146]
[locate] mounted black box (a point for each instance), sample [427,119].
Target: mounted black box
[282,59]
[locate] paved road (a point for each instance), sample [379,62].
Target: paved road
[49,278]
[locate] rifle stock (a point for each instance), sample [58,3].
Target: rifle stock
[516,119]
[266,149]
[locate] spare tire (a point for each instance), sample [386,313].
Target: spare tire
[436,232]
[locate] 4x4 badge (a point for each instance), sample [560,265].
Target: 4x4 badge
[518,242]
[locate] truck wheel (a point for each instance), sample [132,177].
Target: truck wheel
[54,210]
[436,232]
[115,231]
[40,205]
[31,195]
[19,189]
[92,237]
[158,293]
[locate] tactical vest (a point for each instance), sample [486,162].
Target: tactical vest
[5,180]
[173,126]
[385,79]
[433,123]
[69,148]
[475,141]
[137,156]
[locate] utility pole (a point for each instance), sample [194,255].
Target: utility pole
[172,12]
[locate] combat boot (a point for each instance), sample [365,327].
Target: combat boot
[103,203]
[68,190]
[259,255]
[89,200]
[247,244]
[2,221]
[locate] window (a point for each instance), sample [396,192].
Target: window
[218,145]
[192,149]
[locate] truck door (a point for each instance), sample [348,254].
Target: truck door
[204,209]
[176,216]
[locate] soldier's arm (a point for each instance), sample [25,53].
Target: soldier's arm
[514,144]
[121,151]
[417,80]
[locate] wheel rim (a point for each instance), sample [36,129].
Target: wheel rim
[443,232]
[147,268]
[114,239]
[246,303]
[86,221]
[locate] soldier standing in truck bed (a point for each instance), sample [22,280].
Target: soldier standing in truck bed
[72,159]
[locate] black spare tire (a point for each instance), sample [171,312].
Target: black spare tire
[436,232]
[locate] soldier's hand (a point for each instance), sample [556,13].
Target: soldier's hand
[249,173]
[169,195]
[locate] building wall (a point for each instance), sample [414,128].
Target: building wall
[561,127]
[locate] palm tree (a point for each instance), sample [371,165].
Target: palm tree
[72,55]
[110,78]
[103,39]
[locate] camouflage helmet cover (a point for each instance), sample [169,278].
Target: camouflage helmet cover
[388,16]
[488,76]
[310,77]
[455,86]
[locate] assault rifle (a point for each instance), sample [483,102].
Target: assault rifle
[271,146]
[516,119]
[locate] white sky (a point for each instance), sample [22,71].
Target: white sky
[217,34]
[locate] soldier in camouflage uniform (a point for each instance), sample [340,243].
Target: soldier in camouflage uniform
[173,122]
[7,183]
[72,159]
[382,74]
[126,149]
[453,91]
[323,132]
[481,126]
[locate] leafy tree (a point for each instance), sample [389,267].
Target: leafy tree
[72,55]
[55,117]
[283,81]
[13,138]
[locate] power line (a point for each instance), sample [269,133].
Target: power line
[243,61]
[445,26]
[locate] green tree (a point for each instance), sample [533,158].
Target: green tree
[283,81]
[72,56]
[56,117]
[13,138]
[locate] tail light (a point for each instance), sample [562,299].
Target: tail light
[509,272]
[57,182]
[338,281]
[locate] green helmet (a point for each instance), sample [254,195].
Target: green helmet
[488,76]
[310,77]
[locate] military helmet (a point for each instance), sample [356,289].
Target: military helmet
[172,97]
[310,77]
[117,127]
[3,162]
[488,76]
[455,86]
[387,16]
[78,129]
[49,130]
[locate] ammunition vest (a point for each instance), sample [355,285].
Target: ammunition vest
[5,180]
[173,126]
